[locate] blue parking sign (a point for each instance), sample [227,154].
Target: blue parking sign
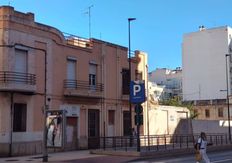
[137,92]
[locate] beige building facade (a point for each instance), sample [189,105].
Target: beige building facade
[42,69]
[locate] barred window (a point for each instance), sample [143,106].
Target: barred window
[207,113]
[220,112]
[125,81]
[111,117]
[20,117]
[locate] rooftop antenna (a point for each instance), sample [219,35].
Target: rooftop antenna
[89,13]
[100,35]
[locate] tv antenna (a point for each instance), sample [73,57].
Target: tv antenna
[8,2]
[89,13]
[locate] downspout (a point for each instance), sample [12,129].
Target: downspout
[104,83]
[11,122]
[148,127]
[117,92]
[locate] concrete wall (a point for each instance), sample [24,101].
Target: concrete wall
[168,120]
[210,126]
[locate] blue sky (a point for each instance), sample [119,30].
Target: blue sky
[158,30]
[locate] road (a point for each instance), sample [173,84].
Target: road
[215,157]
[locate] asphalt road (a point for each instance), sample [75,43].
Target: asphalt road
[215,157]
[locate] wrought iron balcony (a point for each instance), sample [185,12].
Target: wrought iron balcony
[82,88]
[17,82]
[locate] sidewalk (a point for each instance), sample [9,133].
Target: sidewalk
[52,157]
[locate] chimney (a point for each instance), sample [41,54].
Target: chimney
[201,28]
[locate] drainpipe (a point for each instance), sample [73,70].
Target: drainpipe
[11,122]
[104,88]
[148,127]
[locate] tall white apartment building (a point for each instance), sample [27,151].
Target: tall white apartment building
[204,64]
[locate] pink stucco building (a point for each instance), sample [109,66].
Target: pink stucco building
[42,68]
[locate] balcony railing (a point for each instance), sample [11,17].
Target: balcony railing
[78,41]
[17,77]
[10,80]
[82,88]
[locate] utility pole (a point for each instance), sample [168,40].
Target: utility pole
[227,95]
[129,21]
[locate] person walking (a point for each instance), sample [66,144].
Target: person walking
[202,144]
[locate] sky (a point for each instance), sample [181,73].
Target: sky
[158,29]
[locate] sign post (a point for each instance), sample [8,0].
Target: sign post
[137,96]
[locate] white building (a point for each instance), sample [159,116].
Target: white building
[204,64]
[170,79]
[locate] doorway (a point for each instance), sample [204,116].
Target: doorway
[71,133]
[93,129]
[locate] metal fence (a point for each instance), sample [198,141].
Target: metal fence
[159,142]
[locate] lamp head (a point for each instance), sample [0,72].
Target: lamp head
[131,19]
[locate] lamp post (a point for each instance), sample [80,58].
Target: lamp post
[227,94]
[129,21]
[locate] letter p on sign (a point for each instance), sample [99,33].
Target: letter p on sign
[137,89]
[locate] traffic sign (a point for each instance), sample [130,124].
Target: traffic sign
[137,92]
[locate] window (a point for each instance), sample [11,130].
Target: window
[20,67]
[19,117]
[138,75]
[220,112]
[92,80]
[111,117]
[207,113]
[125,81]
[20,61]
[71,72]
[92,75]
[195,112]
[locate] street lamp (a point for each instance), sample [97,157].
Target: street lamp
[227,94]
[129,20]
